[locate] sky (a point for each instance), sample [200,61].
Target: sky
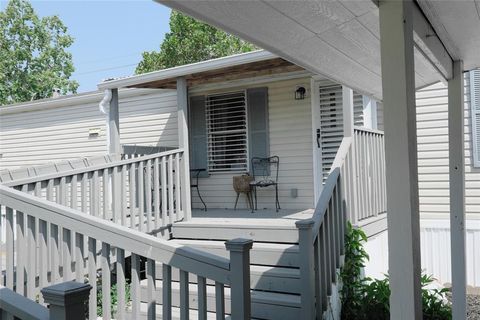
[110,36]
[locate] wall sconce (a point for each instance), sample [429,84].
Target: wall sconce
[300,93]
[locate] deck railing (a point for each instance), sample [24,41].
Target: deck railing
[354,190]
[92,247]
[145,193]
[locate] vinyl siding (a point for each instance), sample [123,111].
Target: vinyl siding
[290,134]
[432,129]
[62,133]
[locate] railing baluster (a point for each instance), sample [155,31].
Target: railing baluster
[178,199]
[95,194]
[121,293]
[67,254]
[132,192]
[328,249]
[156,193]
[148,194]
[166,292]
[318,273]
[324,276]
[135,290]
[164,192]
[219,300]
[42,255]
[123,191]
[116,201]
[79,257]
[92,277]
[20,270]
[73,192]
[202,298]
[151,289]
[31,265]
[170,190]
[9,247]
[184,300]
[83,192]
[54,254]
[106,281]
[105,194]
[141,207]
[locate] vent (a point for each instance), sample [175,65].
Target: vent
[226,117]
[475,105]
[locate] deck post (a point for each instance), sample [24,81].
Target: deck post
[457,189]
[113,125]
[240,277]
[307,276]
[182,115]
[67,300]
[347,106]
[398,84]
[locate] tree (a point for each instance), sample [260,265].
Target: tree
[33,56]
[191,41]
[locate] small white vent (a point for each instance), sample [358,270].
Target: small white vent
[226,116]
[475,105]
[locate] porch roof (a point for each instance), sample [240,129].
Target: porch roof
[341,39]
[240,66]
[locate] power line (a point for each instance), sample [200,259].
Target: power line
[105,69]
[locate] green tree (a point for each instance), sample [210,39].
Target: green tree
[33,56]
[190,41]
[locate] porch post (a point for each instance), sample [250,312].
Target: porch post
[182,115]
[369,113]
[457,189]
[113,125]
[398,81]
[347,104]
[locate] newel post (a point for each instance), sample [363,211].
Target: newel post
[67,300]
[307,276]
[240,277]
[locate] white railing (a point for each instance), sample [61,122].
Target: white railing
[145,193]
[368,173]
[92,247]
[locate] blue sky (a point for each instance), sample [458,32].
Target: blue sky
[109,35]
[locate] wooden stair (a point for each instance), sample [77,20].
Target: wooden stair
[274,273]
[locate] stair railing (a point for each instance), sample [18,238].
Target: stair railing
[33,261]
[145,193]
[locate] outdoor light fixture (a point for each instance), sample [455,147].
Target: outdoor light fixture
[300,93]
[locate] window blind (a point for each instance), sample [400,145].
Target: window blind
[226,118]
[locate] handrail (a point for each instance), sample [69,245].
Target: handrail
[90,169]
[189,259]
[20,307]
[341,153]
[365,129]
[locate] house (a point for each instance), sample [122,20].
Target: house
[140,207]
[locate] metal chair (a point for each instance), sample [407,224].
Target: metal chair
[265,174]
[195,173]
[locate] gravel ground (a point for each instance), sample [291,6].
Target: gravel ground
[473,309]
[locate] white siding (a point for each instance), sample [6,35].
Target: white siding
[432,129]
[290,132]
[62,133]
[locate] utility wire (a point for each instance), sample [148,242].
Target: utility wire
[105,69]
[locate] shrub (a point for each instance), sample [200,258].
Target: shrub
[366,298]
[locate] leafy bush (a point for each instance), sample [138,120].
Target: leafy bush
[366,298]
[113,298]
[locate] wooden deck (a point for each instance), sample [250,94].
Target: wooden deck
[284,217]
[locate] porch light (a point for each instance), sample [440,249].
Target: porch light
[300,93]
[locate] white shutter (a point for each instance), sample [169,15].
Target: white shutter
[475,105]
[227,132]
[331,123]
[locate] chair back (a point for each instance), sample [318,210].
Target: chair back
[265,169]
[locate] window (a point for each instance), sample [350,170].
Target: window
[226,117]
[475,110]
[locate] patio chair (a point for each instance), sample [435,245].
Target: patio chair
[195,173]
[265,174]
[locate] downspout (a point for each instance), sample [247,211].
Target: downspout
[104,107]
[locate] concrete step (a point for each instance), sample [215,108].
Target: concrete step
[265,305]
[268,254]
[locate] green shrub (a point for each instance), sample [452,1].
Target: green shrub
[113,298]
[366,298]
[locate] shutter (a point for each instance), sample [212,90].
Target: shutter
[475,105]
[331,123]
[198,135]
[358,110]
[258,143]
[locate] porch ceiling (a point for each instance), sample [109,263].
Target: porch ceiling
[339,39]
